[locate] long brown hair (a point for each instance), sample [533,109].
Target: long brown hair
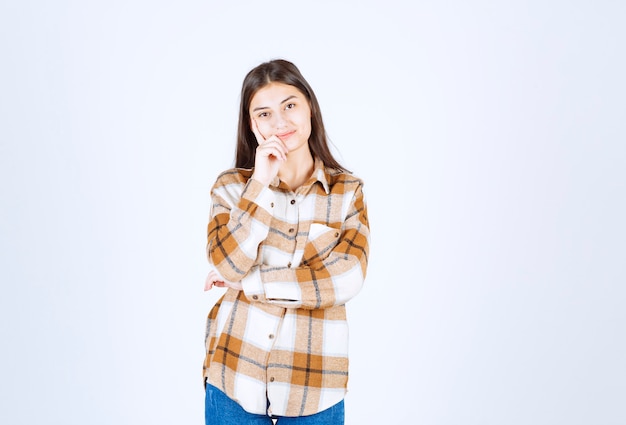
[279,71]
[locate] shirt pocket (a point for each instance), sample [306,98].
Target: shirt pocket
[321,241]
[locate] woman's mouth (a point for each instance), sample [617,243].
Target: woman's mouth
[284,136]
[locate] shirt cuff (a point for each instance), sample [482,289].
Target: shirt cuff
[253,286]
[259,194]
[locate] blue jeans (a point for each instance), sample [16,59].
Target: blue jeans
[221,410]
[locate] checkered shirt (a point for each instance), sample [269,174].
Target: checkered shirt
[280,346]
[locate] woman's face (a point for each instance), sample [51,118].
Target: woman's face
[283,111]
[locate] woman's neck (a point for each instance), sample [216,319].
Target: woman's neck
[297,169]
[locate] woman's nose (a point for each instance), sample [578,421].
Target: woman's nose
[281,120]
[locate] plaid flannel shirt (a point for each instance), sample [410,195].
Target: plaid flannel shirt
[280,346]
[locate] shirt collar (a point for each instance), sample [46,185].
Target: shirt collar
[319,175]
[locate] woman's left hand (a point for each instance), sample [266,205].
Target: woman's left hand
[215,279]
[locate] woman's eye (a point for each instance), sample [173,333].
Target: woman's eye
[290,106]
[264,115]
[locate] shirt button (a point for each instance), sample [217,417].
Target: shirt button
[291,230]
[293,201]
[289,265]
[272,205]
[336,234]
[271,336]
[255,297]
[272,379]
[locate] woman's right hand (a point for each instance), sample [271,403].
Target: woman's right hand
[270,155]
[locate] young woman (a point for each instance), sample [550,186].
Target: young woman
[288,236]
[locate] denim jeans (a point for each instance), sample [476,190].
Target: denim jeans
[221,410]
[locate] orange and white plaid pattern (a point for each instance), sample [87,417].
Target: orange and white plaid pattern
[300,256]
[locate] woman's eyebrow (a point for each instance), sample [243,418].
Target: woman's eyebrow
[293,96]
[258,108]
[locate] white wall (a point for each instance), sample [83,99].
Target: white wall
[492,141]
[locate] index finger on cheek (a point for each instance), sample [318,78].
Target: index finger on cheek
[255,130]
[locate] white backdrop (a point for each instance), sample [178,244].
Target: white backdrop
[491,137]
